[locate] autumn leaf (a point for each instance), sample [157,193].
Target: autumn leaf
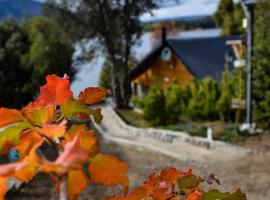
[73,156]
[189,182]
[77,127]
[9,116]
[7,170]
[56,90]
[76,182]
[171,175]
[158,188]
[215,194]
[11,135]
[53,130]
[92,95]
[38,113]
[108,170]
[161,186]
[3,187]
[196,195]
[73,107]
[27,140]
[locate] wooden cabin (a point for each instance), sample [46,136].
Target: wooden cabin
[182,60]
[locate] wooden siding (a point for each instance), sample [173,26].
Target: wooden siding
[165,73]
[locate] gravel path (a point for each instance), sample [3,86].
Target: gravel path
[250,173]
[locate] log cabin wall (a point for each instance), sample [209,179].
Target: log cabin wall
[165,72]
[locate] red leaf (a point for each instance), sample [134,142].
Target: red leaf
[56,90]
[92,95]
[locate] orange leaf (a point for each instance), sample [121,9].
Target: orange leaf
[161,186]
[158,188]
[26,173]
[108,170]
[171,175]
[196,195]
[76,182]
[38,113]
[33,160]
[27,140]
[9,116]
[57,90]
[3,187]
[54,130]
[92,95]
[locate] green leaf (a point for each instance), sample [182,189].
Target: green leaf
[11,135]
[216,195]
[73,107]
[189,182]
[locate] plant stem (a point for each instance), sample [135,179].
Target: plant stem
[63,195]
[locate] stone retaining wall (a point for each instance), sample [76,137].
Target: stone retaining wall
[169,136]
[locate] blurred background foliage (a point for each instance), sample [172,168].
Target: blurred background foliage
[30,50]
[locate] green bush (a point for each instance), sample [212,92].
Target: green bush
[204,94]
[174,104]
[138,102]
[154,107]
[225,99]
[177,99]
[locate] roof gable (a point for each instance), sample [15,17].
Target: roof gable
[202,56]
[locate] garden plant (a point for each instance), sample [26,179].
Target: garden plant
[48,122]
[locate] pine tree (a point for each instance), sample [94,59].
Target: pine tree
[229,17]
[262,64]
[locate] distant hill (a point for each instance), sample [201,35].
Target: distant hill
[19,8]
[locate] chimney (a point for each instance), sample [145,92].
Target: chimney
[164,35]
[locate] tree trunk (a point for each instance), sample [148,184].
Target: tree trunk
[120,84]
[116,87]
[126,90]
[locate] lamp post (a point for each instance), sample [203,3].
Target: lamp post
[248,7]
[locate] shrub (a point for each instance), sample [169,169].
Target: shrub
[204,96]
[154,106]
[174,103]
[225,99]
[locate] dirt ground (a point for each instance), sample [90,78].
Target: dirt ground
[251,174]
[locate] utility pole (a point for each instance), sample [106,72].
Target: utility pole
[248,7]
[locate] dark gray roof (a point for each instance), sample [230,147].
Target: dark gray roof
[202,56]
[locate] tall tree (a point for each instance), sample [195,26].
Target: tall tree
[116,26]
[28,52]
[262,63]
[229,17]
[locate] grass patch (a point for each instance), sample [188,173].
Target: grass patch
[132,118]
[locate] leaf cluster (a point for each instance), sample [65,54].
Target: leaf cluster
[46,121]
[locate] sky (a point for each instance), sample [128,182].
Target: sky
[180,8]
